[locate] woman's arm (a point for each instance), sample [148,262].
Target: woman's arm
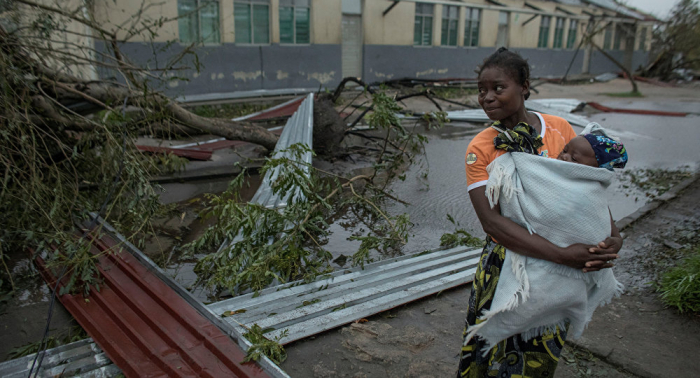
[517,239]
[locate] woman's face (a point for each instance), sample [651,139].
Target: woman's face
[499,94]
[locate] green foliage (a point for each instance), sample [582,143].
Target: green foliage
[227,110]
[264,346]
[52,174]
[654,182]
[453,92]
[459,237]
[677,44]
[281,245]
[680,286]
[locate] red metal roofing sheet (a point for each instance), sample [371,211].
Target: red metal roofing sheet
[145,327]
[283,111]
[606,109]
[194,154]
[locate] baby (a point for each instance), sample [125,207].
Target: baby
[595,151]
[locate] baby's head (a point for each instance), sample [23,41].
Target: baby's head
[595,151]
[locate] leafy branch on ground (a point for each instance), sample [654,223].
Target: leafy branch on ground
[262,346]
[266,246]
[654,182]
[680,286]
[459,237]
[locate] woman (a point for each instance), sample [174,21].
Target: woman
[503,88]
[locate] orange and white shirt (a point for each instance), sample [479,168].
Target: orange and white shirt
[556,133]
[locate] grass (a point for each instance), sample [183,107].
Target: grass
[228,110]
[680,286]
[453,92]
[624,94]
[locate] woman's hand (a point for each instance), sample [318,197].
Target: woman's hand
[579,256]
[610,246]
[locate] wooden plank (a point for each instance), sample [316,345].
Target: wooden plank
[337,278]
[292,301]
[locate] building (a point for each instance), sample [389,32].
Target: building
[275,44]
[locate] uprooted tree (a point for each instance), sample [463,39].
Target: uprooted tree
[677,43]
[66,148]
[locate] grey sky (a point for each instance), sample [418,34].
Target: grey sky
[659,8]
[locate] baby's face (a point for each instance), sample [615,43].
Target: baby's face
[579,151]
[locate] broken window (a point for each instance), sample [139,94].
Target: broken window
[559,33]
[543,39]
[571,37]
[252,21]
[199,21]
[423,27]
[294,21]
[450,20]
[471,27]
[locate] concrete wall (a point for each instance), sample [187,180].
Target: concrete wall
[383,62]
[388,46]
[230,68]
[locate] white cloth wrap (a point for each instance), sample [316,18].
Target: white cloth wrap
[564,203]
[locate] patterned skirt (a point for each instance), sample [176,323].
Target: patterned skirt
[513,357]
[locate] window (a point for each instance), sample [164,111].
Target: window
[544,31]
[423,28]
[471,27]
[502,36]
[619,34]
[450,20]
[199,21]
[252,19]
[571,37]
[559,33]
[642,39]
[294,21]
[608,37]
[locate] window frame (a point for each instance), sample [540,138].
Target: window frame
[543,38]
[423,16]
[198,35]
[473,32]
[617,41]
[448,21]
[294,7]
[558,42]
[607,37]
[573,27]
[251,4]
[642,45]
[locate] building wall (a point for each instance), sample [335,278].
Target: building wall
[388,50]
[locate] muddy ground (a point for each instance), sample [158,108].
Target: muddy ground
[422,339]
[634,336]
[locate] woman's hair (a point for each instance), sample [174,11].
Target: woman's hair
[511,62]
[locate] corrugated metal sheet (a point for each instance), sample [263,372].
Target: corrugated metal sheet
[303,310]
[299,129]
[557,107]
[82,358]
[144,326]
[257,93]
